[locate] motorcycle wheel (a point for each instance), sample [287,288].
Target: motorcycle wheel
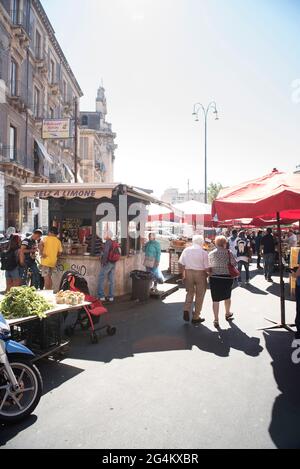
[16,405]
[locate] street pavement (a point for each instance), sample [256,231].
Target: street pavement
[162,383]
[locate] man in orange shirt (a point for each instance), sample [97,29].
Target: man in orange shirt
[50,249]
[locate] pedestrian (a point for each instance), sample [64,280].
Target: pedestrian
[10,263]
[243,255]
[28,258]
[297,320]
[292,239]
[268,247]
[258,248]
[194,262]
[109,258]
[220,279]
[232,242]
[152,251]
[50,250]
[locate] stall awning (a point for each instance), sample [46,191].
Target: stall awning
[42,149]
[69,172]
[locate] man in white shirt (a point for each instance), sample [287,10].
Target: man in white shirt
[194,262]
[292,239]
[232,242]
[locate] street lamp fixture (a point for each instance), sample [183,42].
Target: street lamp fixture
[198,108]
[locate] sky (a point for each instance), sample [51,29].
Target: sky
[157,58]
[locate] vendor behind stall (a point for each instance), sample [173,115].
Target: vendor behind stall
[50,249]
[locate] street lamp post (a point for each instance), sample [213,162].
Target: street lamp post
[198,107]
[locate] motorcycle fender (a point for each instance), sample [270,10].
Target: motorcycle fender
[15,348]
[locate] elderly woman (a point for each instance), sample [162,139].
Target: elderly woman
[220,279]
[194,262]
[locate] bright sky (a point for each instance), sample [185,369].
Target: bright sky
[159,57]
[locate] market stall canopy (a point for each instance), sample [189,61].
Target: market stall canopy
[163,213]
[195,212]
[42,151]
[262,197]
[85,191]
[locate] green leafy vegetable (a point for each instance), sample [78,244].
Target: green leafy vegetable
[22,302]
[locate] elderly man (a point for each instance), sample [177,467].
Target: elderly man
[194,262]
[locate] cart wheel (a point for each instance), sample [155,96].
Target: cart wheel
[94,338]
[111,330]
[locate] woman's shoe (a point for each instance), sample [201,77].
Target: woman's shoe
[216,324]
[229,317]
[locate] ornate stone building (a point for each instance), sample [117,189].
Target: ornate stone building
[97,145]
[36,83]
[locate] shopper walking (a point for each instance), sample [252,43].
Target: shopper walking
[243,255]
[109,258]
[220,280]
[10,263]
[268,247]
[28,258]
[152,259]
[194,262]
[50,250]
[258,248]
[232,242]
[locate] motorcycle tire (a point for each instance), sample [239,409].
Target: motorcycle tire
[30,369]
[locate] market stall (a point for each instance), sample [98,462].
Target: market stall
[43,333]
[82,213]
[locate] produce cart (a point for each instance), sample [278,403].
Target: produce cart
[44,336]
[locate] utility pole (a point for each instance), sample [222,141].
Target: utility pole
[76,140]
[188,189]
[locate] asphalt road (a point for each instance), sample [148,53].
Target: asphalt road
[162,383]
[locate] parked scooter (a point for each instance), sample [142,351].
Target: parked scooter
[21,384]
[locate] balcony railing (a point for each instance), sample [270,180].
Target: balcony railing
[14,156]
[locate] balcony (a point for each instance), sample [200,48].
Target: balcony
[20,27]
[18,96]
[41,60]
[54,89]
[15,163]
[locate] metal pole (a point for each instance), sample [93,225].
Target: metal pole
[282,296]
[76,140]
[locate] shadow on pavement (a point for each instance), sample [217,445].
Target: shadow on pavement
[54,373]
[274,289]
[284,426]
[8,432]
[158,327]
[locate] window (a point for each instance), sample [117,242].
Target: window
[52,71]
[65,91]
[12,143]
[84,120]
[13,78]
[38,45]
[15,13]
[37,102]
[51,113]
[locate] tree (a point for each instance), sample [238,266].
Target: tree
[213,191]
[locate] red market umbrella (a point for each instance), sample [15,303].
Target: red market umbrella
[275,195]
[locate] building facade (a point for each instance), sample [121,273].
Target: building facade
[36,83]
[97,147]
[173,196]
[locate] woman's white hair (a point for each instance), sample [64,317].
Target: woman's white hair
[198,239]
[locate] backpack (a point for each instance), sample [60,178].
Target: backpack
[114,252]
[8,260]
[242,247]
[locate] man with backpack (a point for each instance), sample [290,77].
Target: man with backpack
[243,255]
[111,255]
[10,263]
[28,253]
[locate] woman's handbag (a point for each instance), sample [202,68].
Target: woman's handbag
[233,271]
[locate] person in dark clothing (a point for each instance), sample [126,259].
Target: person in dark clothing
[257,248]
[297,320]
[29,249]
[268,246]
[243,254]
[107,269]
